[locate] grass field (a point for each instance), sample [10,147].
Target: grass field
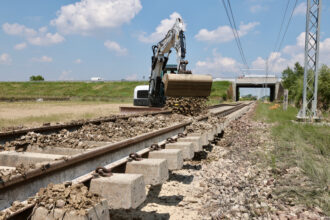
[300,145]
[103,91]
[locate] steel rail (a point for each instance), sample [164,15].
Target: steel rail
[56,165]
[73,125]
[7,135]
[83,157]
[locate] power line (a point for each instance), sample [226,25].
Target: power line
[284,33]
[232,23]
[282,23]
[287,26]
[235,29]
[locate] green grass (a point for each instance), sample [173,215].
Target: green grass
[68,89]
[300,145]
[219,88]
[86,91]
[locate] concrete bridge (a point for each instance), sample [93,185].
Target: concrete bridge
[271,82]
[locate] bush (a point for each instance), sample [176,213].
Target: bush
[37,78]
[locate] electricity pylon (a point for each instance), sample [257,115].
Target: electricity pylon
[308,110]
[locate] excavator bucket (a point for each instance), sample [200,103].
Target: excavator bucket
[187,85]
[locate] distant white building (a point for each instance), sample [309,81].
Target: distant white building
[97,79]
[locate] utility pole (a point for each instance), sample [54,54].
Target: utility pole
[265,85]
[308,110]
[285,99]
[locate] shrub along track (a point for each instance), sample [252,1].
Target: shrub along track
[85,162]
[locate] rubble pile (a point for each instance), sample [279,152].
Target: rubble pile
[108,132]
[197,126]
[201,126]
[66,196]
[187,105]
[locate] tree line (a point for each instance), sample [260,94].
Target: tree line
[293,80]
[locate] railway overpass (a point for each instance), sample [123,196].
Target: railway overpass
[255,81]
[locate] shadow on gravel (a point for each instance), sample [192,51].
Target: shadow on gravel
[208,147]
[198,156]
[133,214]
[185,179]
[153,197]
[191,167]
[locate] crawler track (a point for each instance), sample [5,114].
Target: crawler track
[78,168]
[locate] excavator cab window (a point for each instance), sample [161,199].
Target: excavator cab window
[171,68]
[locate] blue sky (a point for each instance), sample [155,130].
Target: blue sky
[76,40]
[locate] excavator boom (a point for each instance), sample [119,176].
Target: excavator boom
[182,84]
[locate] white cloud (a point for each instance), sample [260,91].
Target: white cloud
[218,66]
[257,8]
[161,30]
[20,46]
[43,59]
[5,59]
[300,9]
[78,61]
[87,15]
[114,46]
[65,75]
[133,77]
[35,37]
[291,54]
[18,29]
[278,61]
[224,33]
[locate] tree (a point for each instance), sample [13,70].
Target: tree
[293,80]
[36,78]
[290,80]
[324,87]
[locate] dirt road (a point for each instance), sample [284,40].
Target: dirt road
[36,113]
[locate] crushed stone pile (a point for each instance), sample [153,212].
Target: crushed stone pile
[108,131]
[68,197]
[198,126]
[187,105]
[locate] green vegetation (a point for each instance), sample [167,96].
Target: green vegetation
[104,91]
[299,145]
[293,81]
[248,97]
[37,78]
[79,90]
[219,92]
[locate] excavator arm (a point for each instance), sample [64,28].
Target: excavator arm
[158,88]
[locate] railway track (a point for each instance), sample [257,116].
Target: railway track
[79,168]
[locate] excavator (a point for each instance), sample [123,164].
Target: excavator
[171,80]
